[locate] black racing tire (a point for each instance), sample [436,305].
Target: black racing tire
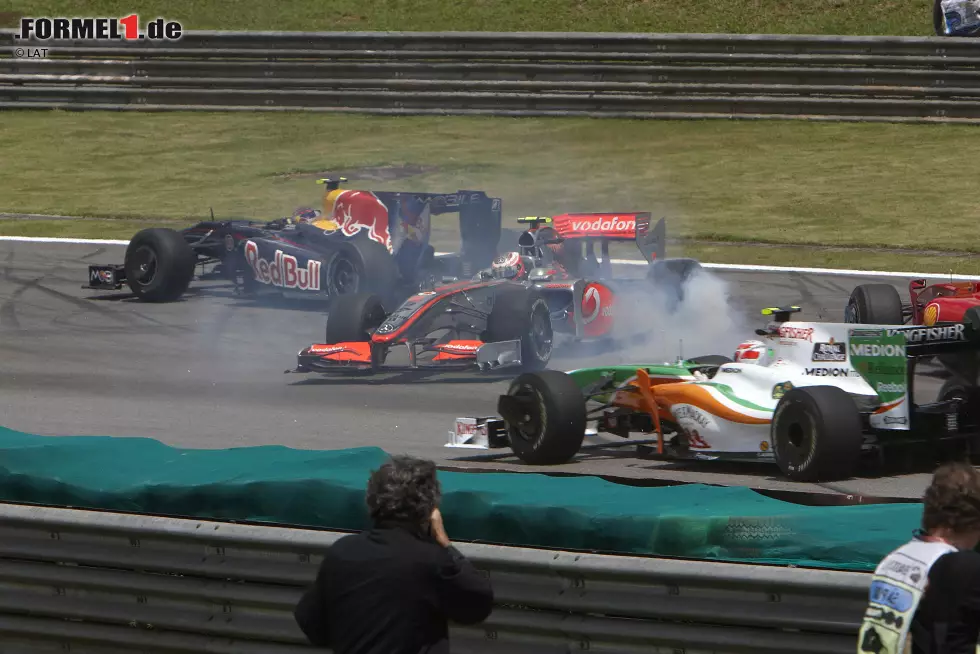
[521,314]
[969,414]
[874,304]
[554,426]
[159,265]
[353,318]
[816,434]
[662,271]
[937,18]
[972,318]
[360,266]
[954,387]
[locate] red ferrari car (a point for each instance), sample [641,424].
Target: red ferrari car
[880,304]
[508,314]
[935,305]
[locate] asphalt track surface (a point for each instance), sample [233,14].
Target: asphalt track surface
[208,372]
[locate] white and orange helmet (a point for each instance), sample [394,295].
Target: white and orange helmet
[755,352]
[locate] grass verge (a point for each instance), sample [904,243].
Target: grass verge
[859,17]
[777,182]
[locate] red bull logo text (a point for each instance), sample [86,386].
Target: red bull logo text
[283,271]
[354,211]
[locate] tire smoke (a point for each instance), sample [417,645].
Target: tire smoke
[703,321]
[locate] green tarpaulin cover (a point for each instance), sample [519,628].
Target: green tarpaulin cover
[325,489]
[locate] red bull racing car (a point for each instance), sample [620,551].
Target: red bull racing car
[508,314]
[362,241]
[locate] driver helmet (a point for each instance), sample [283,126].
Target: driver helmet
[305,215]
[510,266]
[755,352]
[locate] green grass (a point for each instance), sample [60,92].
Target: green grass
[860,17]
[840,185]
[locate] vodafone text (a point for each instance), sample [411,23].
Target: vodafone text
[605,225]
[83,29]
[459,347]
[326,349]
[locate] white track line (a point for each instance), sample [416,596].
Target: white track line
[734,267]
[66,241]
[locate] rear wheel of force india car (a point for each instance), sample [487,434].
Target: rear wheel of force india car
[159,265]
[522,315]
[874,304]
[352,318]
[817,434]
[544,413]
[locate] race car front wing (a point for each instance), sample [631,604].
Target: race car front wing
[111,277]
[363,356]
[478,433]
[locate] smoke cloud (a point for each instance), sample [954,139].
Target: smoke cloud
[706,321]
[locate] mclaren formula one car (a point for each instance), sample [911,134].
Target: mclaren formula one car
[361,241]
[814,398]
[510,313]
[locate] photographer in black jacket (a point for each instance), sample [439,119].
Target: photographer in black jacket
[393,589]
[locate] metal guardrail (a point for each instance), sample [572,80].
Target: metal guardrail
[509,74]
[92,581]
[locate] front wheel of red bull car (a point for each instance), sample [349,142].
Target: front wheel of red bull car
[159,265]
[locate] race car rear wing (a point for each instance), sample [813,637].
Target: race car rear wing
[652,243]
[956,346]
[953,338]
[608,227]
[480,221]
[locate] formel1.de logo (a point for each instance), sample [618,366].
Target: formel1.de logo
[100,29]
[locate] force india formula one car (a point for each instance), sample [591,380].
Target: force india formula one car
[509,314]
[812,397]
[361,241]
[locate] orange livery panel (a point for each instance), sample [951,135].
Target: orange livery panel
[353,352]
[456,350]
